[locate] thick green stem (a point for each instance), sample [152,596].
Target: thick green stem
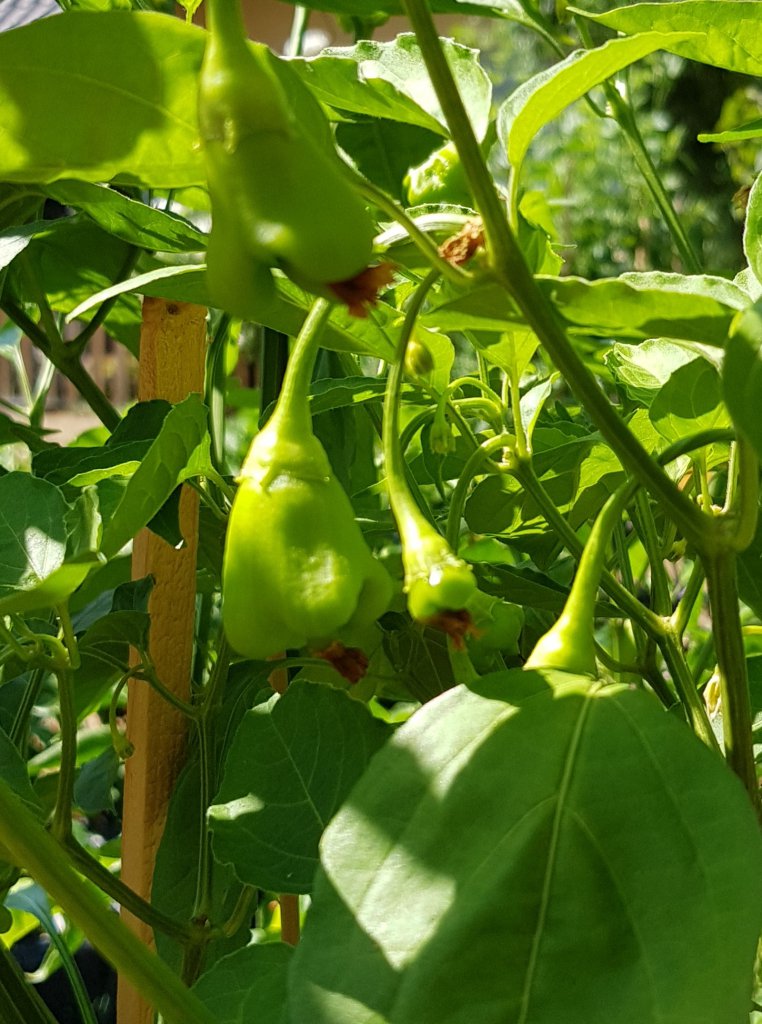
[731,666]
[514,275]
[30,847]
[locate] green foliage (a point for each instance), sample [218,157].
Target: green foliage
[513,759]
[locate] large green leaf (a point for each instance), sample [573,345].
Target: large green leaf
[511,10]
[390,80]
[286,313]
[292,762]
[248,985]
[689,402]
[101,95]
[112,96]
[633,306]
[643,369]
[727,30]
[128,219]
[742,374]
[536,849]
[543,97]
[752,236]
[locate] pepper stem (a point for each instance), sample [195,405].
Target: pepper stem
[292,410]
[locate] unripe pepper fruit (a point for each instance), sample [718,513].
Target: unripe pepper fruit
[439,179]
[279,199]
[569,644]
[296,570]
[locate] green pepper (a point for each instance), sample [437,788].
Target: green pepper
[278,198]
[296,571]
[497,626]
[439,179]
[438,583]
[570,642]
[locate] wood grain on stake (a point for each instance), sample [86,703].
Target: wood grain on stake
[172,347]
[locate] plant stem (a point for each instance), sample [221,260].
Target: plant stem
[686,603]
[418,237]
[20,727]
[292,412]
[113,886]
[731,665]
[650,623]
[31,848]
[66,362]
[671,649]
[61,824]
[403,504]
[624,115]
[514,275]
[660,592]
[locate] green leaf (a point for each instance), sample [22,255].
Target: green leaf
[292,762]
[343,333]
[101,96]
[543,97]
[535,848]
[643,369]
[635,306]
[390,81]
[649,305]
[723,32]
[750,130]
[176,873]
[33,571]
[71,257]
[384,151]
[14,240]
[689,402]
[372,10]
[13,771]
[248,985]
[128,219]
[93,789]
[752,235]
[111,96]
[742,375]
[180,451]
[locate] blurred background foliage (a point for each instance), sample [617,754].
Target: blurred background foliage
[607,223]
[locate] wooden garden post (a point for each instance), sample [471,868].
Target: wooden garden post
[172,351]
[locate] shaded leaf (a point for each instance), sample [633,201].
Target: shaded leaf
[689,402]
[248,985]
[291,763]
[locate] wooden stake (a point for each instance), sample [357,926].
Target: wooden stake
[172,348]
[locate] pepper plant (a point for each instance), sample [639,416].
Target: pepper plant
[476,675]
